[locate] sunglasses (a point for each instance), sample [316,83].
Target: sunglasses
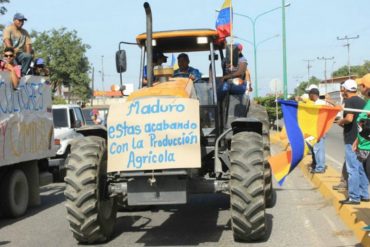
[8,55]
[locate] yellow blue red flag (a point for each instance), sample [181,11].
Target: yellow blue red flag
[301,120]
[223,22]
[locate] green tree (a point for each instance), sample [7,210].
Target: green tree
[358,70]
[269,103]
[3,10]
[64,55]
[304,84]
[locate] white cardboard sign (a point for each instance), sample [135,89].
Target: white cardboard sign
[26,122]
[154,133]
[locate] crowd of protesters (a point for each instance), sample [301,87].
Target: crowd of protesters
[356,133]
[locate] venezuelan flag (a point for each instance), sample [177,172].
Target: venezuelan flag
[223,22]
[301,120]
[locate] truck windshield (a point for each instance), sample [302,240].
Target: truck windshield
[60,118]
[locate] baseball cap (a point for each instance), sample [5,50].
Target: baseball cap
[365,80]
[158,54]
[19,16]
[94,112]
[39,61]
[350,85]
[312,86]
[314,91]
[240,46]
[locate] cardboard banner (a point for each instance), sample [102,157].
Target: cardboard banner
[26,121]
[154,133]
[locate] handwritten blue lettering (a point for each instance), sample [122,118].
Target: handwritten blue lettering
[151,158]
[136,108]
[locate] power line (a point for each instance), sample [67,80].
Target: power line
[346,38]
[308,67]
[325,59]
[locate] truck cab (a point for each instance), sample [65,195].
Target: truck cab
[66,118]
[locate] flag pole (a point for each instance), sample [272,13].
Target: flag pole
[231,35]
[356,110]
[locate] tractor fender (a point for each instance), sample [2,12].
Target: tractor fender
[94,130]
[249,124]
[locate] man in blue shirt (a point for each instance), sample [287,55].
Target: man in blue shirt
[185,70]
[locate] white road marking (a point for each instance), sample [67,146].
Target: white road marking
[335,161]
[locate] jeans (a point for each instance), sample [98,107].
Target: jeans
[231,88]
[357,179]
[24,59]
[319,155]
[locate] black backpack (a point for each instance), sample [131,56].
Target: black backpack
[364,128]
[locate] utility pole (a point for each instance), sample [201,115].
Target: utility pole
[308,67]
[325,59]
[332,72]
[285,73]
[346,38]
[102,72]
[92,85]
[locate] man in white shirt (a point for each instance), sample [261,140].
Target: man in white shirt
[318,156]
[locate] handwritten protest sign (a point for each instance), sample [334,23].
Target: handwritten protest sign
[154,133]
[26,122]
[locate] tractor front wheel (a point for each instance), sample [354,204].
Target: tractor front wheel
[91,215]
[247,195]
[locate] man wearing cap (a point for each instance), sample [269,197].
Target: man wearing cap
[18,38]
[318,149]
[158,59]
[356,190]
[304,97]
[39,68]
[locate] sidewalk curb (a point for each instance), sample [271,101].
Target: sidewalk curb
[355,217]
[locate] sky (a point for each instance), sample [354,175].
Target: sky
[312,28]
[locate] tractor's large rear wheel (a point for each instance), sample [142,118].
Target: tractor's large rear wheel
[260,113]
[247,187]
[90,213]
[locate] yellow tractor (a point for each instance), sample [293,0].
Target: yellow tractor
[172,138]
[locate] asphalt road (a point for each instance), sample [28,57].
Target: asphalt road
[301,217]
[334,147]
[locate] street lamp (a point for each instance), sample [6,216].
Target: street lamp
[259,43]
[253,21]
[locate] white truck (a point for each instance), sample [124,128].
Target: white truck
[26,142]
[67,119]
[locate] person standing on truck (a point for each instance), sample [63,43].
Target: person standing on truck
[185,70]
[7,64]
[16,37]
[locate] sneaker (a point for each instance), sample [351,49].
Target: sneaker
[365,199]
[340,187]
[314,171]
[349,201]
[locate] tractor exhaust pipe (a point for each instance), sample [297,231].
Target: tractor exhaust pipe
[149,46]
